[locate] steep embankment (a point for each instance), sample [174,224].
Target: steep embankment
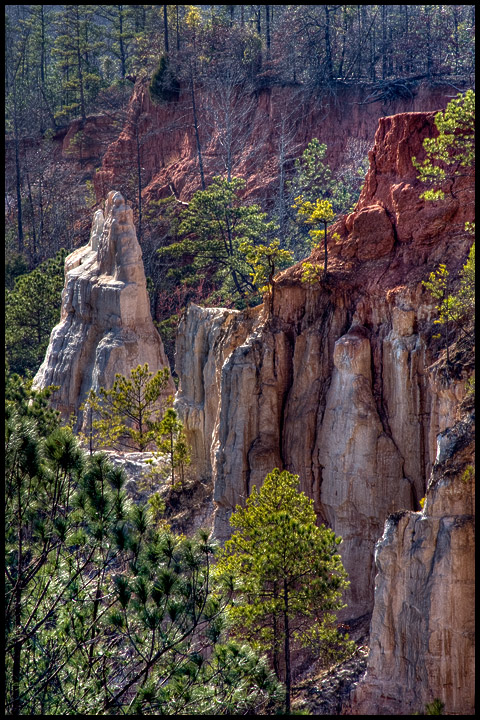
[422,635]
[270,127]
[335,385]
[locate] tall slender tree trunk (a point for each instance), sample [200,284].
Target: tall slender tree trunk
[139,182]
[195,125]
[178,31]
[32,210]
[18,175]
[267,29]
[165,27]
[276,636]
[325,250]
[17,648]
[121,45]
[288,671]
[384,42]
[328,49]
[79,68]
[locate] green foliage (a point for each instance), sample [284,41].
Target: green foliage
[77,40]
[314,179]
[32,308]
[314,182]
[56,556]
[458,307]
[164,87]
[15,265]
[106,611]
[314,213]
[172,443]
[130,412]
[265,261]
[214,226]
[436,707]
[454,145]
[311,273]
[286,573]
[468,474]
[32,404]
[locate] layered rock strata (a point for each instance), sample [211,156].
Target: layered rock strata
[105,326]
[206,338]
[333,384]
[281,122]
[423,627]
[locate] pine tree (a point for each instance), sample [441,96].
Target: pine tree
[29,324]
[75,49]
[214,225]
[104,613]
[172,443]
[286,574]
[129,413]
[318,213]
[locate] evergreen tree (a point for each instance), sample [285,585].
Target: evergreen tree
[449,155]
[266,260]
[317,213]
[214,225]
[32,308]
[453,147]
[130,412]
[286,574]
[314,181]
[75,49]
[172,443]
[104,613]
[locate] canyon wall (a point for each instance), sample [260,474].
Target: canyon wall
[333,385]
[422,634]
[105,325]
[270,127]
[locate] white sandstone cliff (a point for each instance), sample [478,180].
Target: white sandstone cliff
[105,326]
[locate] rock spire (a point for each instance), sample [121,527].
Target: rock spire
[105,325]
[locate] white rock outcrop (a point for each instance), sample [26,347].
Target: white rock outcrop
[105,326]
[422,635]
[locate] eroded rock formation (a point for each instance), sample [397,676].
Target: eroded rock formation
[105,325]
[333,385]
[281,122]
[423,626]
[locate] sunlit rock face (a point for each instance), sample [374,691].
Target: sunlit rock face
[333,383]
[205,339]
[422,636]
[105,326]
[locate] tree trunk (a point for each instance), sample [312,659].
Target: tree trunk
[276,641]
[195,124]
[267,29]
[17,648]
[288,672]
[121,45]
[328,49]
[178,31]
[139,183]
[325,249]
[32,210]
[165,27]
[18,177]
[79,67]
